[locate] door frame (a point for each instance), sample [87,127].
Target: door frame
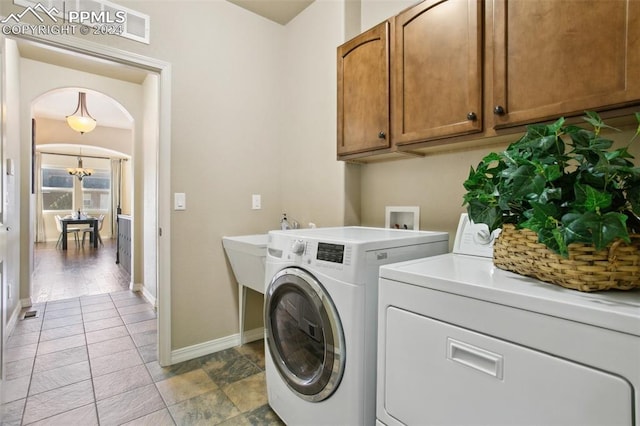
[163,163]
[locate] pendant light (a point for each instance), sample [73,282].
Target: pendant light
[80,172]
[81,121]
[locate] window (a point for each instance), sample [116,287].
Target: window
[57,189]
[96,194]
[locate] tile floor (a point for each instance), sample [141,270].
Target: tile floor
[92,360]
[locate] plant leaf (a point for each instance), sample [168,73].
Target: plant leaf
[591,200]
[598,229]
[485,213]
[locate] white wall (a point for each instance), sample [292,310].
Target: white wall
[375,11]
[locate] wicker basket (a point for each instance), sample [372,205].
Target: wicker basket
[617,267]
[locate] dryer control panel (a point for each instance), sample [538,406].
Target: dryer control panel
[474,239]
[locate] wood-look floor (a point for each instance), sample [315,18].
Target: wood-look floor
[77,271]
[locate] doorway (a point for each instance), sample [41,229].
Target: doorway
[80,174]
[154,145]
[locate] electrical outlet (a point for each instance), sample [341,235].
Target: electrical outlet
[256,201]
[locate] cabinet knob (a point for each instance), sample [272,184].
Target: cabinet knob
[382,135]
[471,116]
[498,110]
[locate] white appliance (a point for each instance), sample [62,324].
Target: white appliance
[463,343]
[247,255]
[320,318]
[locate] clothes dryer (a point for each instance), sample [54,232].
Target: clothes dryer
[463,342]
[320,318]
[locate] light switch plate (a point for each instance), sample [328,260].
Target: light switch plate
[180,201]
[256,201]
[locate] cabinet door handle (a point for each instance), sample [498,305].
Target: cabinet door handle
[382,135]
[471,116]
[498,110]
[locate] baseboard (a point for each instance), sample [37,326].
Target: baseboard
[150,297]
[212,346]
[26,303]
[13,319]
[253,335]
[136,286]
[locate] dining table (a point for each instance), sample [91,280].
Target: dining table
[93,221]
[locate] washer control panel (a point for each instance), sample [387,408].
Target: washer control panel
[325,255]
[298,247]
[330,252]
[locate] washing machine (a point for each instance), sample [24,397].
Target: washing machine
[462,342]
[320,318]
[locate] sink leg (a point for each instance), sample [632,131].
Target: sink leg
[242,297]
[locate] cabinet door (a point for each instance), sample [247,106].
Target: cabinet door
[363,92]
[437,71]
[556,58]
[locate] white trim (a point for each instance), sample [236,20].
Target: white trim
[150,297]
[13,320]
[162,68]
[253,335]
[136,286]
[213,346]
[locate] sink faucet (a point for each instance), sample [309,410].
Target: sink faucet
[288,224]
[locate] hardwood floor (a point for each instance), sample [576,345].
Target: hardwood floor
[78,271]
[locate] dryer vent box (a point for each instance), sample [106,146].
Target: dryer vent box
[403,217]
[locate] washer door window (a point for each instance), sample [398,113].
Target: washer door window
[304,334]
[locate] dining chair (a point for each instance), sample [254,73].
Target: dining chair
[89,230]
[70,230]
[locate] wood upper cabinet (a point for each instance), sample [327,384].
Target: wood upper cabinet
[437,71]
[363,92]
[554,58]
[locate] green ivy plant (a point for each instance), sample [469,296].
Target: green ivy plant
[562,182]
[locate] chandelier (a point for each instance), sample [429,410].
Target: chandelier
[81,121]
[80,172]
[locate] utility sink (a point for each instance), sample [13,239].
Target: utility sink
[247,255]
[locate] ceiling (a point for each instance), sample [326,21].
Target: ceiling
[60,103]
[57,105]
[280,11]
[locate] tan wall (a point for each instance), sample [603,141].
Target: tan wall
[434,183]
[228,74]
